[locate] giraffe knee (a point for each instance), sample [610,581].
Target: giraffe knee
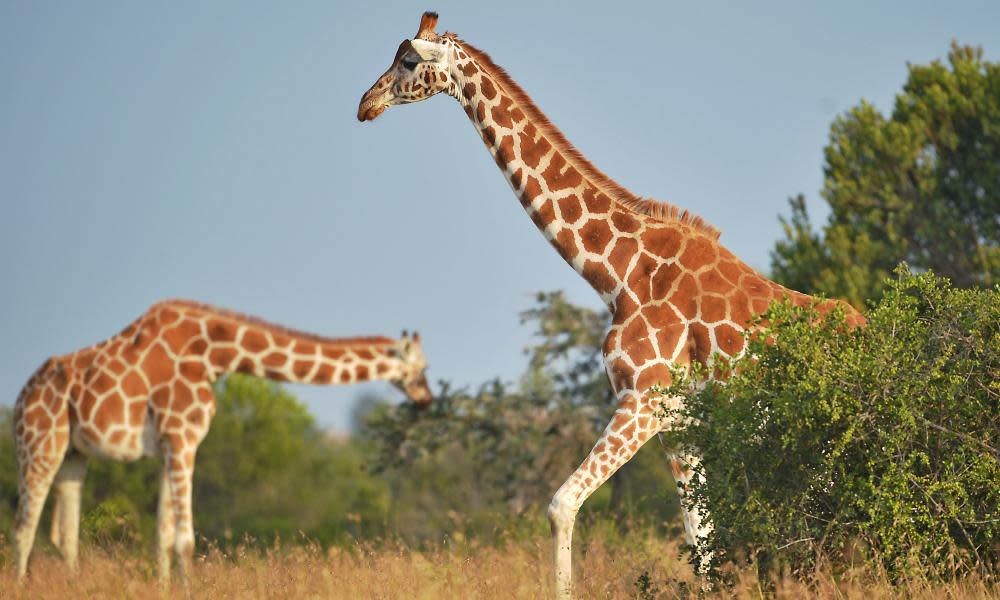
[561,512]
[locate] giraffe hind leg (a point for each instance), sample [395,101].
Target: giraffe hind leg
[66,511]
[696,526]
[37,471]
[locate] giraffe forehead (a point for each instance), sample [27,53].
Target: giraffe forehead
[404,47]
[428,50]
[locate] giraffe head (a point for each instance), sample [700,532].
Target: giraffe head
[419,71]
[412,380]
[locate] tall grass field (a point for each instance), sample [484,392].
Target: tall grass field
[641,566]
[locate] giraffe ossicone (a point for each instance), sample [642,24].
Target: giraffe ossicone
[148,392]
[676,295]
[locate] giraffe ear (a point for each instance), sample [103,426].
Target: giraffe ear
[427,23]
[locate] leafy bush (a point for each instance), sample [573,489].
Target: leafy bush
[113,521]
[881,441]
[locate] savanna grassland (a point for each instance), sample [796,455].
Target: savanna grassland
[637,566]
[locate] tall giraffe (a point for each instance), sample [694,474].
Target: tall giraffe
[148,392]
[675,293]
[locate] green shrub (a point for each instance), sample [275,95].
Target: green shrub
[879,442]
[8,471]
[113,521]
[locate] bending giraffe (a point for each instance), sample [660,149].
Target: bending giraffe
[676,295]
[148,392]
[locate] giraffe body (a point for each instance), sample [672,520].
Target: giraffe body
[148,392]
[676,295]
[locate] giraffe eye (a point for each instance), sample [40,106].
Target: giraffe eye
[409,64]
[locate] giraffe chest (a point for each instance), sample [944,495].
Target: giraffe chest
[638,354]
[645,343]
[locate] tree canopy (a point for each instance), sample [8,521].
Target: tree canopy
[922,185]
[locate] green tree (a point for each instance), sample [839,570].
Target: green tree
[921,186]
[266,469]
[885,438]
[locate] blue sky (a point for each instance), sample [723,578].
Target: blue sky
[210,151]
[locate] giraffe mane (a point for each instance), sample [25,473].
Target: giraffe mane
[665,211]
[655,209]
[244,318]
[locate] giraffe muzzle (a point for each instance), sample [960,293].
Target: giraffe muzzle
[376,99]
[368,113]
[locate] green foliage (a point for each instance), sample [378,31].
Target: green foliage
[488,461]
[113,521]
[117,491]
[883,439]
[266,470]
[567,357]
[922,186]
[8,470]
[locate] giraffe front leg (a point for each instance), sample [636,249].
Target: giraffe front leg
[165,528]
[180,466]
[632,426]
[66,512]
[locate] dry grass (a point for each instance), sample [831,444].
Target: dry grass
[519,570]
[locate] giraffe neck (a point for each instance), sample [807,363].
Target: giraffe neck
[230,342]
[573,204]
[284,358]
